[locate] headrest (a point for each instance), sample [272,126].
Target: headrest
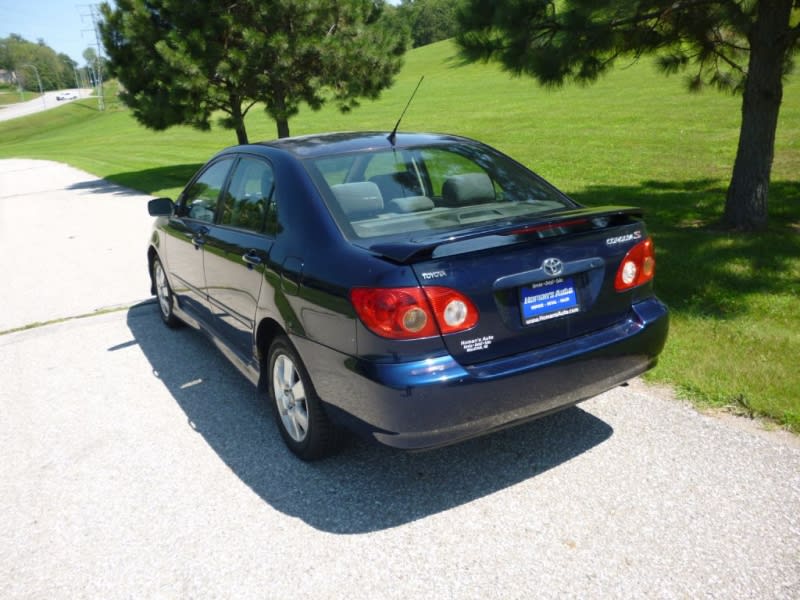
[410,204]
[397,185]
[360,197]
[469,188]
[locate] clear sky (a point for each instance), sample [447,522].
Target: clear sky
[64,25]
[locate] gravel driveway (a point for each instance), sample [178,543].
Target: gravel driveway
[137,463]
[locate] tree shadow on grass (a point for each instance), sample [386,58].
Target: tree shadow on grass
[158,178]
[146,181]
[365,487]
[701,269]
[104,186]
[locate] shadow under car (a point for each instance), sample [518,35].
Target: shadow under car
[366,487]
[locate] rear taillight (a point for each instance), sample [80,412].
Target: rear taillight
[638,267]
[453,310]
[398,313]
[413,312]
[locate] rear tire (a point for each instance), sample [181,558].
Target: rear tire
[166,299]
[301,419]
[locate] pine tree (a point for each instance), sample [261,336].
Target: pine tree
[180,62]
[743,46]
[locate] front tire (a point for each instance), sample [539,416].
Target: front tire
[301,419]
[166,299]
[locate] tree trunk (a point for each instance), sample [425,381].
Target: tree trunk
[283,127]
[237,118]
[746,206]
[241,133]
[279,112]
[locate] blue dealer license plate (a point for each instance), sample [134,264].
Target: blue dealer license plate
[548,300]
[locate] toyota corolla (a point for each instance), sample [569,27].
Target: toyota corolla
[417,289]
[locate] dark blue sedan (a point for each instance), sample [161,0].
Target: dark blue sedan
[417,289]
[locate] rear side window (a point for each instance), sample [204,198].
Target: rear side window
[200,198]
[250,196]
[408,191]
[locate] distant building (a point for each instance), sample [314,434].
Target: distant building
[7,76]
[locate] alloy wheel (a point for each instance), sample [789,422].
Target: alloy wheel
[290,397]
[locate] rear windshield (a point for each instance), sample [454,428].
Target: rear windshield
[416,190]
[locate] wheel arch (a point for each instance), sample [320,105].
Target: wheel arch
[268,329]
[151,257]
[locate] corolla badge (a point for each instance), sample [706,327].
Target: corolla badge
[621,239]
[552,266]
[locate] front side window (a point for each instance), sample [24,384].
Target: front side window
[200,198]
[405,192]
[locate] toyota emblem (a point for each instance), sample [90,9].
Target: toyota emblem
[552,266]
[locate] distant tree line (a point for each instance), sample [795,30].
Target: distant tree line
[428,21]
[57,71]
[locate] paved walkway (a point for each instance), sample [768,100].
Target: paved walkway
[70,243]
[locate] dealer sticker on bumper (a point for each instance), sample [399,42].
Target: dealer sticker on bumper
[548,300]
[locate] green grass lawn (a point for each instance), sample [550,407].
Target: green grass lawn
[8,96]
[635,137]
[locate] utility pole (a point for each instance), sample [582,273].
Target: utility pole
[98,66]
[100,95]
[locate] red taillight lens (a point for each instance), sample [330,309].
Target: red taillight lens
[638,267]
[452,309]
[413,312]
[398,313]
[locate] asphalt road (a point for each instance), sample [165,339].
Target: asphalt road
[137,463]
[48,101]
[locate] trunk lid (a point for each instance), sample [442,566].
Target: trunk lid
[535,283]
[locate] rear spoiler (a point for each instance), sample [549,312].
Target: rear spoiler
[582,219]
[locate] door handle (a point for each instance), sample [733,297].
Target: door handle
[199,236]
[252,259]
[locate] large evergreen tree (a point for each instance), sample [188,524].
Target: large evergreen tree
[179,61]
[744,46]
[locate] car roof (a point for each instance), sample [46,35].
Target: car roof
[323,144]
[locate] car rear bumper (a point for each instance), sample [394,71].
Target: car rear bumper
[436,401]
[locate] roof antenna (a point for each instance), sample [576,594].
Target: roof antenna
[393,135]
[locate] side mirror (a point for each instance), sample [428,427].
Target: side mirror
[161,207]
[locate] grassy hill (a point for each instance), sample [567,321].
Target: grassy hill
[634,137]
